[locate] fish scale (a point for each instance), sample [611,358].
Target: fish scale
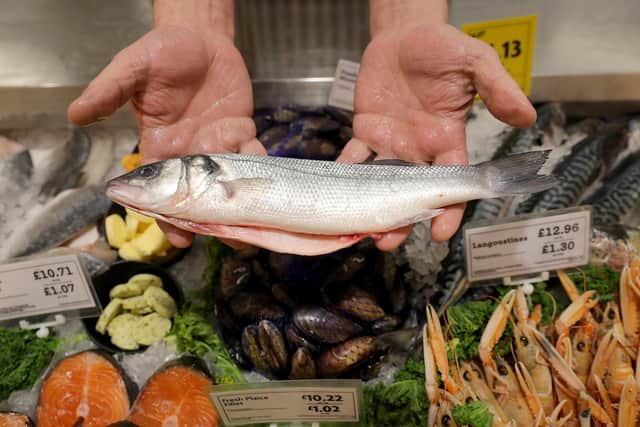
[585,163]
[618,194]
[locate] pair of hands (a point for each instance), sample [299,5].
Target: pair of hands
[191,93]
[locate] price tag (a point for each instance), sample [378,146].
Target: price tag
[528,244]
[514,40]
[43,286]
[344,86]
[288,401]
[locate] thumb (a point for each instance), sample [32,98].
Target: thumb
[113,87]
[501,94]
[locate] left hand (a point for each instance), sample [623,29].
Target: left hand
[415,88]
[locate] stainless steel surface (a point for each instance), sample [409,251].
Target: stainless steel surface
[282,39]
[46,43]
[585,49]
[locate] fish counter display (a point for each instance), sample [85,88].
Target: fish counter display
[173,328]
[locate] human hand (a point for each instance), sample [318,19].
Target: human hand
[190,93]
[415,88]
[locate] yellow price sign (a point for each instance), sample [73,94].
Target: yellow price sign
[514,40]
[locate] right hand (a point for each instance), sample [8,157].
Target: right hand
[190,93]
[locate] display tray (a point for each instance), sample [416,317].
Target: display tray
[253,316]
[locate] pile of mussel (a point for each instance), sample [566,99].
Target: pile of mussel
[302,317]
[304,132]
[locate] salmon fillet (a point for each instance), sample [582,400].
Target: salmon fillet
[84,386]
[175,396]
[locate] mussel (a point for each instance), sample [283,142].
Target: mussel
[273,135]
[251,348]
[324,326]
[348,268]
[359,303]
[252,307]
[345,356]
[302,365]
[281,294]
[295,339]
[265,347]
[386,324]
[235,274]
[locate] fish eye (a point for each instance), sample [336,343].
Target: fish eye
[502,370]
[445,420]
[580,346]
[147,171]
[466,376]
[611,315]
[585,413]
[469,400]
[524,340]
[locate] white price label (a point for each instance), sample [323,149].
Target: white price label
[43,286]
[533,244]
[344,86]
[284,401]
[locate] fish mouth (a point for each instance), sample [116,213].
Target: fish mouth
[118,192]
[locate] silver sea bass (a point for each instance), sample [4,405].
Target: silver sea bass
[317,197]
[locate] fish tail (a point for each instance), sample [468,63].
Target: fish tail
[517,174]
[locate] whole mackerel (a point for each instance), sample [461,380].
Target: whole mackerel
[589,159]
[312,207]
[619,193]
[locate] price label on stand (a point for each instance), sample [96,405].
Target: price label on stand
[528,244]
[289,401]
[43,286]
[514,41]
[343,88]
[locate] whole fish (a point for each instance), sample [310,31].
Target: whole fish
[546,132]
[312,207]
[589,159]
[59,221]
[619,193]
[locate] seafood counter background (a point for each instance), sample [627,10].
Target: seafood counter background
[255,315]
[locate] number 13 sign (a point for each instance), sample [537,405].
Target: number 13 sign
[514,41]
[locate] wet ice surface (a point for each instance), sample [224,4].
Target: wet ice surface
[189,270]
[424,258]
[140,366]
[484,134]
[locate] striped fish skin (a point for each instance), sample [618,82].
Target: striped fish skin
[575,133]
[619,193]
[588,160]
[549,126]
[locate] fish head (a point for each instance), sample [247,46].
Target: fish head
[165,187]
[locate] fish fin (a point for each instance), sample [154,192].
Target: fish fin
[390,162]
[517,174]
[246,186]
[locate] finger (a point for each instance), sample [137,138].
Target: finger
[445,225]
[224,135]
[112,88]
[253,146]
[355,151]
[177,237]
[391,240]
[498,90]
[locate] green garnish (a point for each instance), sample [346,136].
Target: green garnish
[23,358]
[474,414]
[402,403]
